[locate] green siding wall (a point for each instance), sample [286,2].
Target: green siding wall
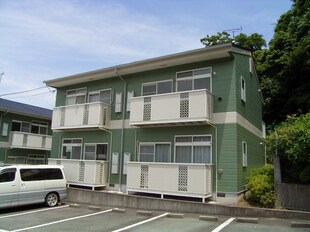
[252,108]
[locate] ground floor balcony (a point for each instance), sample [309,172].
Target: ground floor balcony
[179,108]
[176,179]
[30,141]
[81,116]
[88,173]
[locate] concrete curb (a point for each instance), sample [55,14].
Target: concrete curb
[175,215]
[208,218]
[117,210]
[148,203]
[248,220]
[300,224]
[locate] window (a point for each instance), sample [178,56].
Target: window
[37,174]
[243,90]
[21,126]
[250,64]
[102,96]
[244,154]
[96,152]
[7,175]
[194,79]
[76,96]
[193,149]
[5,128]
[71,148]
[160,87]
[39,127]
[154,152]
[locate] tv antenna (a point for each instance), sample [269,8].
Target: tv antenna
[234,30]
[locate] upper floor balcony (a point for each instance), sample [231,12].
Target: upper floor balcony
[189,107]
[87,115]
[30,141]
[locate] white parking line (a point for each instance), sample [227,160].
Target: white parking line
[64,220]
[140,223]
[35,211]
[226,223]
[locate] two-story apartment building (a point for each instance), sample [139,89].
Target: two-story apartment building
[26,135]
[186,124]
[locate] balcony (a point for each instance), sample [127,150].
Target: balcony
[30,141]
[88,115]
[178,108]
[189,180]
[90,173]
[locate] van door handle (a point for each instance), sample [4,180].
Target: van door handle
[13,184]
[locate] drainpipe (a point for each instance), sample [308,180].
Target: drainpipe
[2,117]
[123,126]
[216,161]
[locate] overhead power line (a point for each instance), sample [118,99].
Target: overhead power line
[25,91]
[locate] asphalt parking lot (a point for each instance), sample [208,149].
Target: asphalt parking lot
[91,218]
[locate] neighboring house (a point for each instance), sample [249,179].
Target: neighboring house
[186,124]
[26,135]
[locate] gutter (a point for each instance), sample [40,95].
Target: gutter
[123,126]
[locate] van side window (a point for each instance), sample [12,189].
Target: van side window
[31,174]
[53,174]
[34,174]
[7,175]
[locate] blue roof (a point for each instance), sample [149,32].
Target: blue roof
[25,109]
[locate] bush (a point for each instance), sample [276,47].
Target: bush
[261,186]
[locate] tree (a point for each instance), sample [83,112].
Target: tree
[284,68]
[253,42]
[291,141]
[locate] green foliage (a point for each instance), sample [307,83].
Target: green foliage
[253,42]
[291,140]
[261,186]
[284,68]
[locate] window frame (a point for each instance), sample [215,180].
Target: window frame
[194,77]
[67,144]
[154,154]
[96,150]
[21,126]
[193,144]
[244,154]
[40,125]
[156,87]
[98,92]
[243,89]
[76,94]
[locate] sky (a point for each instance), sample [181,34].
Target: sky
[47,39]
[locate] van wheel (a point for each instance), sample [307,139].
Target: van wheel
[51,199]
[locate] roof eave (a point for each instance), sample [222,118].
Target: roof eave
[202,54]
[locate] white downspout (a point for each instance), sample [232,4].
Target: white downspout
[216,162]
[123,126]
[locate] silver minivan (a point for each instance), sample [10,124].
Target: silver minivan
[29,184]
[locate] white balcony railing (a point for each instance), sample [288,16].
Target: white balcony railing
[30,141]
[87,115]
[191,180]
[175,108]
[91,173]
